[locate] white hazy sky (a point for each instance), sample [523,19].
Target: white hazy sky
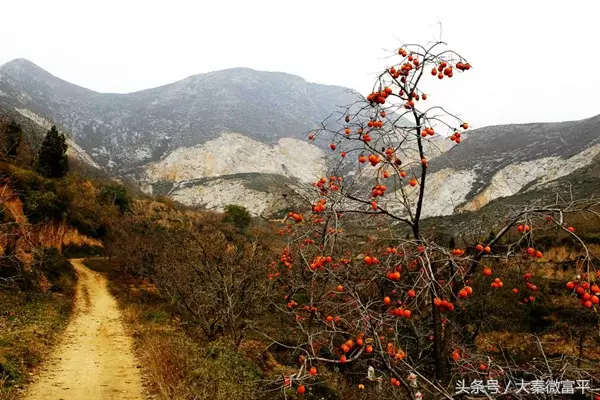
[533,60]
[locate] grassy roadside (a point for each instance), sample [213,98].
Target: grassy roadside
[30,324]
[177,362]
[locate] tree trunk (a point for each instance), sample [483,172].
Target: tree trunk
[440,363]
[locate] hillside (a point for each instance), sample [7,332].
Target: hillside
[502,161]
[125,130]
[580,185]
[207,140]
[205,126]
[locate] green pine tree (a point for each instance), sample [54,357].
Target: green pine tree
[13,134]
[52,161]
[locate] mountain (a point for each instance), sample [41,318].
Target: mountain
[127,130]
[237,136]
[223,123]
[582,184]
[505,160]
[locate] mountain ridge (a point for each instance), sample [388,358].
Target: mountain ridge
[504,166]
[182,131]
[263,105]
[20,62]
[21,65]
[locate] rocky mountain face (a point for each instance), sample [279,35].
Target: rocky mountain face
[229,122]
[502,161]
[234,168]
[237,136]
[127,130]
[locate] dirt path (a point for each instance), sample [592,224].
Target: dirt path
[94,360]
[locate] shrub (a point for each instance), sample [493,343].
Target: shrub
[118,195]
[11,135]
[224,374]
[43,199]
[22,180]
[215,275]
[57,270]
[239,216]
[166,200]
[180,368]
[40,206]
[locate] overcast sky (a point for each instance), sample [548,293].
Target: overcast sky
[533,60]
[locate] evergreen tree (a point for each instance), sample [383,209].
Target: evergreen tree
[52,161]
[13,134]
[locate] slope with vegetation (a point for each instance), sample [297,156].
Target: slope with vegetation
[47,211]
[506,160]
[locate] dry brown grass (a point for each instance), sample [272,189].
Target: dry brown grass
[30,323]
[177,363]
[552,343]
[170,362]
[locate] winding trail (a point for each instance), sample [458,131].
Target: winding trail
[94,359]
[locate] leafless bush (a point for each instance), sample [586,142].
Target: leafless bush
[216,275]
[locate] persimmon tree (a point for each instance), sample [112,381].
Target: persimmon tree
[368,291]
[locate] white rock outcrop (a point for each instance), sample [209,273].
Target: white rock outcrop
[446,190]
[216,194]
[234,153]
[513,178]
